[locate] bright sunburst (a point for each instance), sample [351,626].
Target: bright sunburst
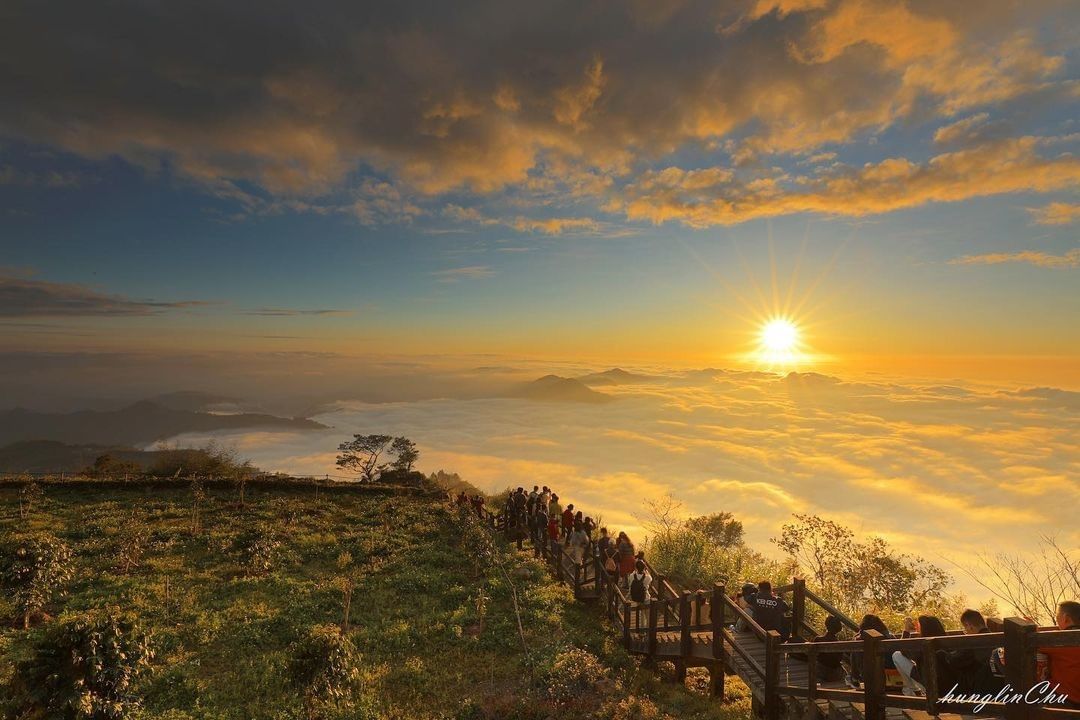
[778,342]
[779,336]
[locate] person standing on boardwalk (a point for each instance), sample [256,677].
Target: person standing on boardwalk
[568,519]
[540,523]
[626,555]
[554,507]
[553,529]
[639,582]
[577,541]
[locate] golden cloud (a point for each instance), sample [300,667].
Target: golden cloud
[716,196]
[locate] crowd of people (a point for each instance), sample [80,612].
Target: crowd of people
[540,517]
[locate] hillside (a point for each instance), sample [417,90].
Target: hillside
[140,423]
[432,613]
[553,388]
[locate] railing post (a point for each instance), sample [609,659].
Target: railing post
[716,614]
[626,625]
[929,675]
[798,607]
[873,676]
[652,629]
[577,580]
[811,679]
[558,562]
[686,618]
[772,675]
[1019,664]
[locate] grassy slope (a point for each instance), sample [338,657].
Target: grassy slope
[436,627]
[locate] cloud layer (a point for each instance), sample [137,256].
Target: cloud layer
[942,470]
[671,110]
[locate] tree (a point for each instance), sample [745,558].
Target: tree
[868,576]
[37,569]
[820,547]
[346,583]
[722,528]
[1033,583]
[324,668]
[361,455]
[107,466]
[406,452]
[85,666]
[29,494]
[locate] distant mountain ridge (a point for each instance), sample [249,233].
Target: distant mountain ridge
[138,424]
[616,376]
[555,388]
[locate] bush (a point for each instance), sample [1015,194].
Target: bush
[37,568]
[85,666]
[573,676]
[260,550]
[324,667]
[134,539]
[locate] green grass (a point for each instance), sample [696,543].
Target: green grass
[433,619]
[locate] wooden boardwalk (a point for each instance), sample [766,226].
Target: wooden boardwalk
[699,630]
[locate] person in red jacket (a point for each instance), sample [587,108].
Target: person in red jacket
[568,519]
[1065,661]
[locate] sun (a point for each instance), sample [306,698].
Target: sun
[779,336]
[779,342]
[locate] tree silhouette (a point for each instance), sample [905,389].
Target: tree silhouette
[406,452]
[361,455]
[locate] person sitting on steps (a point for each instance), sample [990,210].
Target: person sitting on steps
[769,609]
[828,664]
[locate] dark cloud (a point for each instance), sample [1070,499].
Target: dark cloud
[21,297]
[556,100]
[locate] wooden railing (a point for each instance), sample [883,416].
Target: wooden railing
[669,609]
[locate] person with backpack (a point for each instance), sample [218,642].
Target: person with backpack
[639,582]
[610,557]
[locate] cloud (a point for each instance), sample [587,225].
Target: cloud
[719,195]
[22,297]
[470,272]
[960,130]
[492,97]
[1058,213]
[10,175]
[1070,259]
[545,226]
[290,312]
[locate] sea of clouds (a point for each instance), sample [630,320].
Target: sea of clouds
[944,471]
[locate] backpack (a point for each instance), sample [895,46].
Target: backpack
[637,587]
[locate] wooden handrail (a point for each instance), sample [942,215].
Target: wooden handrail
[754,627]
[741,652]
